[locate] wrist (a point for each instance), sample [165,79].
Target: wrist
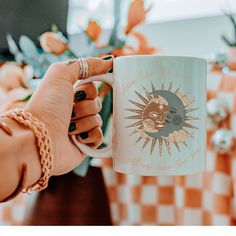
[44,146]
[23,151]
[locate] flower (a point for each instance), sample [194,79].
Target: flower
[52,43]
[12,77]
[136,15]
[93,30]
[143,47]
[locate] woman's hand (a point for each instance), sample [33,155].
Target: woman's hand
[63,111]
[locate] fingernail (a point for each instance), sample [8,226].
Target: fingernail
[80,95]
[72,126]
[84,135]
[73,113]
[108,57]
[110,71]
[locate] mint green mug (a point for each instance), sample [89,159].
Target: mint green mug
[159,115]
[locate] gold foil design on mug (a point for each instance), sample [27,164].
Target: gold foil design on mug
[162,115]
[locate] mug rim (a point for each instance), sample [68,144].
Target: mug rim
[160,56]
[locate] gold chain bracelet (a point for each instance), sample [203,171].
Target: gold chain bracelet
[43,143]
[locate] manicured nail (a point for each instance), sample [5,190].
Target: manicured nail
[110,71]
[80,95]
[72,126]
[106,58]
[84,135]
[73,113]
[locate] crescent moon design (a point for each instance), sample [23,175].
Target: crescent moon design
[161,115]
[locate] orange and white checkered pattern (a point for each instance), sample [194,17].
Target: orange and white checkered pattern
[207,198]
[13,212]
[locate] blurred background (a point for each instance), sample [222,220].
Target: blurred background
[34,34]
[169,24]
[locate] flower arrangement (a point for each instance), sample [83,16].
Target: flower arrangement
[55,47]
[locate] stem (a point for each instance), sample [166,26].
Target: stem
[113,37]
[227,41]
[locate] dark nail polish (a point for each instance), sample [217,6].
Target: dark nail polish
[73,113]
[106,58]
[80,95]
[72,126]
[110,71]
[84,135]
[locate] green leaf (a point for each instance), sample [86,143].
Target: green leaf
[51,58]
[101,87]
[28,47]
[105,113]
[54,28]
[19,57]
[12,45]
[27,98]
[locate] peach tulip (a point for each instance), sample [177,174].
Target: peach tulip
[93,30]
[51,42]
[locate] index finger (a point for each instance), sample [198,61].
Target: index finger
[96,66]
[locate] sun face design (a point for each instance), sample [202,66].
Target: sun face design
[162,116]
[154,115]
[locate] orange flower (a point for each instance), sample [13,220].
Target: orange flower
[125,51]
[143,45]
[50,42]
[93,30]
[136,15]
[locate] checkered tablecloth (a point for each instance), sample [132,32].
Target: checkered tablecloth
[201,199]
[14,211]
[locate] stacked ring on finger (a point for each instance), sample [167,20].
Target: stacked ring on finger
[84,69]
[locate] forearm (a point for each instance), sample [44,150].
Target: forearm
[16,150]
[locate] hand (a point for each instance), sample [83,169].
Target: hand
[54,102]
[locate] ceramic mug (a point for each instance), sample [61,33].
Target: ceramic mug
[159,115]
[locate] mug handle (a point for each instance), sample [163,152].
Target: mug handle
[87,150]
